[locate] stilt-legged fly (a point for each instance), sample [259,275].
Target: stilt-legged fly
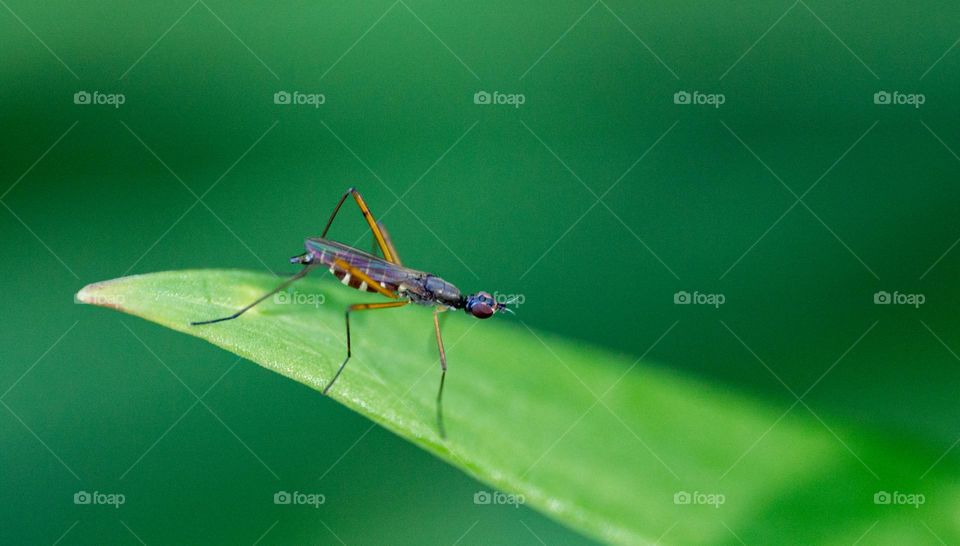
[385,276]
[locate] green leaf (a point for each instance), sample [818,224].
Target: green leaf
[598,441]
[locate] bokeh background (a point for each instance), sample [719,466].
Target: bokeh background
[598,198]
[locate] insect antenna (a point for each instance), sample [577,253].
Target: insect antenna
[512,300]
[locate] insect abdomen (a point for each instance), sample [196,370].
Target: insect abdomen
[354,282]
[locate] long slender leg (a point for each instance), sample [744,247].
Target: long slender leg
[431,341]
[283,285]
[386,238]
[368,216]
[389,242]
[360,307]
[443,372]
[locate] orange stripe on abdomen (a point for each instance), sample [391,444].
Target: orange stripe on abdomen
[357,284]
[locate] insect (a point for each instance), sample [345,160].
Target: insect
[385,276]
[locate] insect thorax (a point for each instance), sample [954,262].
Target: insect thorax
[430,290]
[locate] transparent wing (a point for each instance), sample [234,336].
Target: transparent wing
[326,252]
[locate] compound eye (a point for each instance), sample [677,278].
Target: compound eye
[481,310]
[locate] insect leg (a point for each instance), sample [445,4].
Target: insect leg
[283,285]
[443,372]
[360,307]
[389,242]
[386,238]
[431,340]
[368,216]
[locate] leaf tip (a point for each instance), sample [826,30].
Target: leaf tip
[98,294]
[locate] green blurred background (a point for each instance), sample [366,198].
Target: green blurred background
[500,198]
